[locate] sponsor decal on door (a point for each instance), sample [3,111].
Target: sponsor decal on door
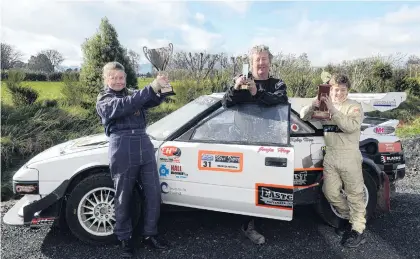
[209,160]
[274,196]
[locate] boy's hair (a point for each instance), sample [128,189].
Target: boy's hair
[340,79]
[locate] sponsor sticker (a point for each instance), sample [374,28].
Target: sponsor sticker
[166,189]
[171,151]
[294,127]
[178,172]
[274,196]
[220,161]
[389,147]
[163,170]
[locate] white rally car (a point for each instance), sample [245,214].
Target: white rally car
[247,159]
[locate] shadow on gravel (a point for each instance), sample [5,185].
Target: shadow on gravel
[206,234]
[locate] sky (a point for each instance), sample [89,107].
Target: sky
[329,31]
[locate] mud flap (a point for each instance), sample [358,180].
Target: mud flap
[383,204]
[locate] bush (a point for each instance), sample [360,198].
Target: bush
[44,127]
[72,90]
[20,95]
[55,76]
[39,76]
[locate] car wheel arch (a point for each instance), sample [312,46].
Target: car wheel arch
[73,181]
[373,169]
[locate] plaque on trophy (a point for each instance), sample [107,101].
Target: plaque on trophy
[322,112]
[159,58]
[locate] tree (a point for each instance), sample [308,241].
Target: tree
[383,71]
[55,57]
[134,59]
[40,63]
[9,56]
[101,48]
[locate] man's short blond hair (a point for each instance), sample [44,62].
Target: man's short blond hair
[259,49]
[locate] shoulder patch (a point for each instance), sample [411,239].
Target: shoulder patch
[279,84]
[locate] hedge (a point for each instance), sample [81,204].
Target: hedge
[40,76]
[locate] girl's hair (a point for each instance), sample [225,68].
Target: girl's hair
[110,66]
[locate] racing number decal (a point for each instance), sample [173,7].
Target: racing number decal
[220,161]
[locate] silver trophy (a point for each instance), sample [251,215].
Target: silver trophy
[159,58]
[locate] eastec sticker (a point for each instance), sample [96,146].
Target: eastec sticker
[274,196]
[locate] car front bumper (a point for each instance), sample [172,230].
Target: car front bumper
[34,210]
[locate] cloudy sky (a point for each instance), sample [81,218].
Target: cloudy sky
[327,31]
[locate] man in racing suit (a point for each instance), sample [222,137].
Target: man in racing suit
[343,159]
[131,153]
[258,88]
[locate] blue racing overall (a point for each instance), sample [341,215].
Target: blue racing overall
[131,155]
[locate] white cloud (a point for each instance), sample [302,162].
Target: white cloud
[64,25]
[326,42]
[200,17]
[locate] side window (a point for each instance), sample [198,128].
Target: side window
[246,123]
[297,126]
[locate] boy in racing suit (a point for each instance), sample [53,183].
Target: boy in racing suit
[258,88]
[343,159]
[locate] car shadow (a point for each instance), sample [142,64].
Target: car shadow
[208,234]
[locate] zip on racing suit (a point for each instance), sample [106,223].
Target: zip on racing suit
[343,161]
[271,91]
[131,155]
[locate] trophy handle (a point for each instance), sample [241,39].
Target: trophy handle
[146,52]
[171,49]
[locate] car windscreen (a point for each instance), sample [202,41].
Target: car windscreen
[247,123]
[164,127]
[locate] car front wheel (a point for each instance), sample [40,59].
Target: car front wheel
[90,210]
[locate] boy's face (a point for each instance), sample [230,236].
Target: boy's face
[338,93]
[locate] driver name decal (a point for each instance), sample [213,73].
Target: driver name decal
[272,150]
[274,196]
[220,161]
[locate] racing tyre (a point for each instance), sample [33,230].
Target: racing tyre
[90,210]
[333,218]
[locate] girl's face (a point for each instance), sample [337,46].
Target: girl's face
[116,80]
[338,93]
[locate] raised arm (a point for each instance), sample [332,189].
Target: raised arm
[110,107]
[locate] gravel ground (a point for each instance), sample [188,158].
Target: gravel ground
[205,234]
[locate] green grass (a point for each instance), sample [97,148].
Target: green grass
[46,90]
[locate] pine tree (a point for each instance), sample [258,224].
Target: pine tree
[101,48]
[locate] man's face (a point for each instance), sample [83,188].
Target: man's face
[260,64]
[116,80]
[338,93]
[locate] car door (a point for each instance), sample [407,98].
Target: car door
[237,160]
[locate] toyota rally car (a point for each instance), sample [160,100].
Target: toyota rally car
[246,159]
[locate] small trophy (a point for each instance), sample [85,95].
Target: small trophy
[159,58]
[322,112]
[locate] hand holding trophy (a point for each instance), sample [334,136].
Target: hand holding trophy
[159,58]
[321,109]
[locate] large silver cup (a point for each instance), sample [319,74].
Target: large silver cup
[159,58]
